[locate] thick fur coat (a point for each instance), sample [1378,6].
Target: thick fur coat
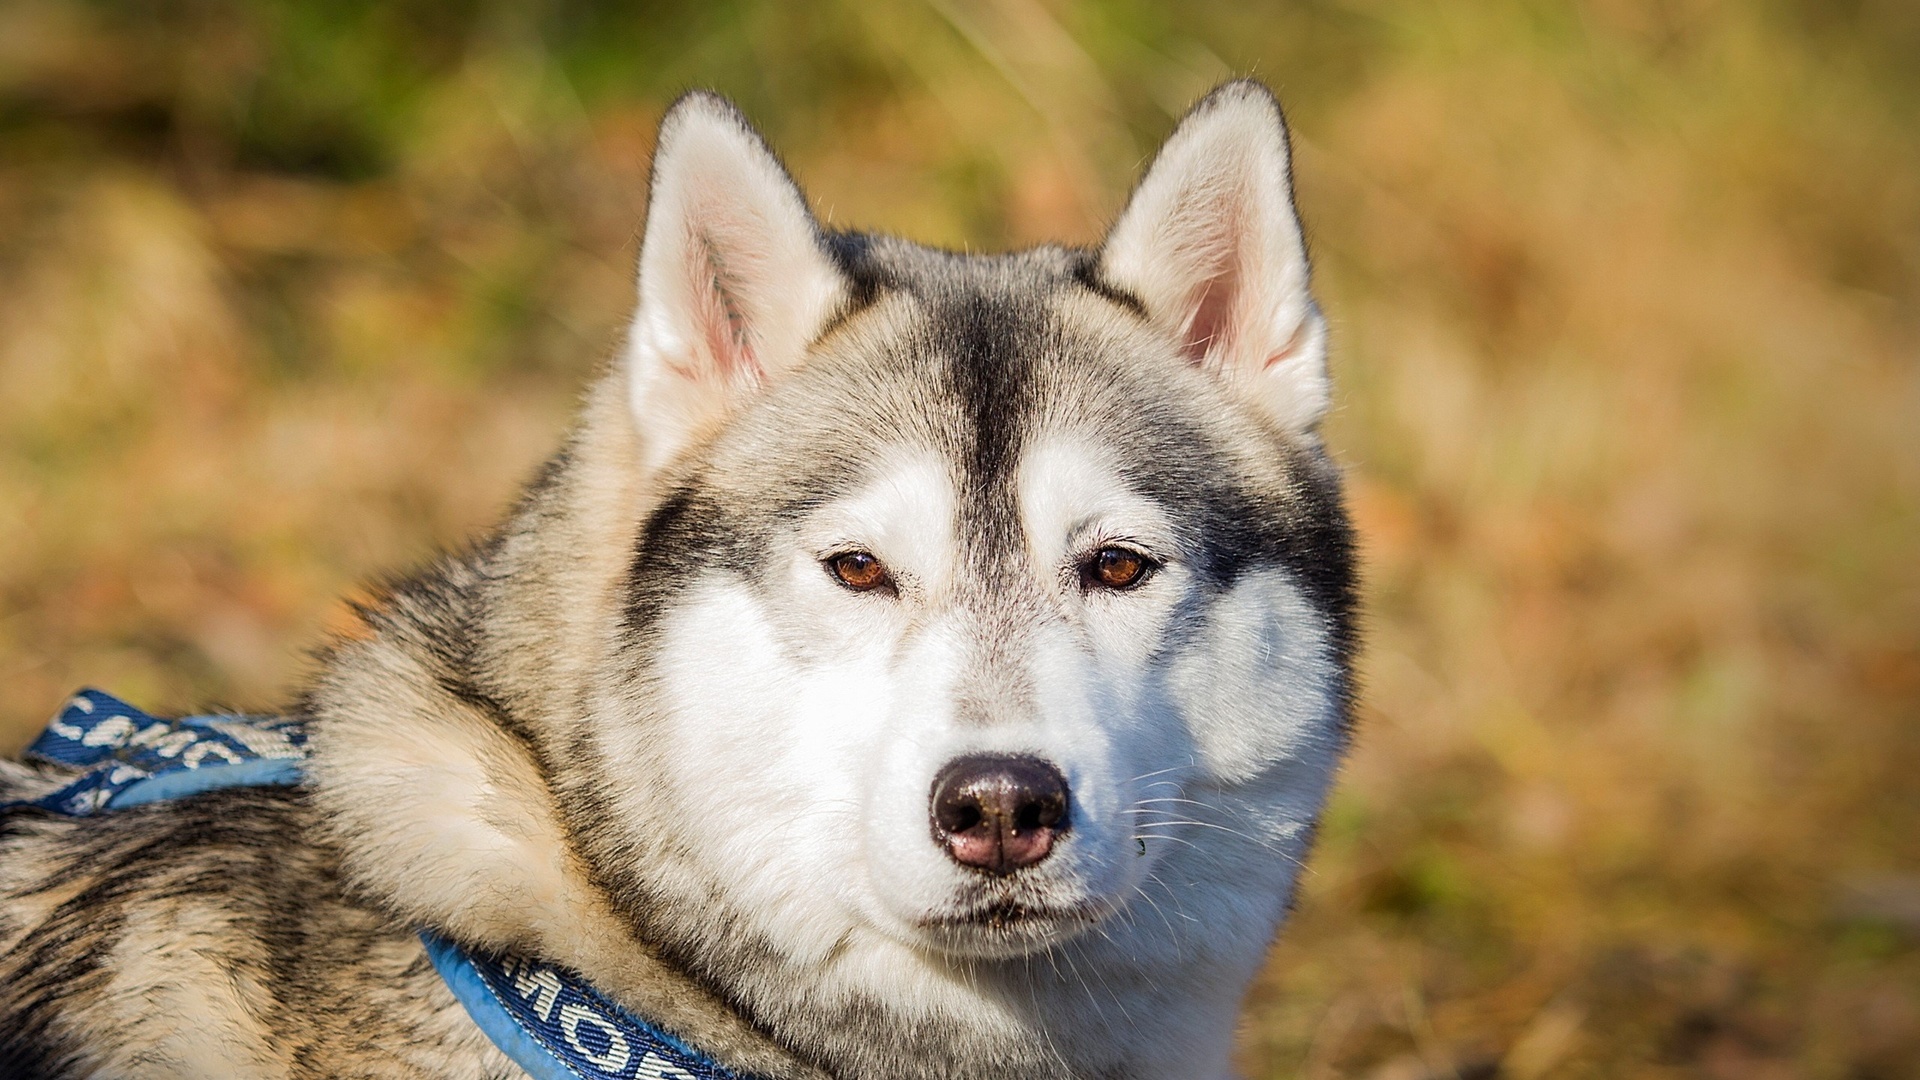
[844,511]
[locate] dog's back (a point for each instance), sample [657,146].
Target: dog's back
[208,937]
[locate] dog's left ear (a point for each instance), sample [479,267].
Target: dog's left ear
[735,279]
[1211,244]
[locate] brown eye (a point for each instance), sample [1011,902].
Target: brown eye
[1116,568]
[859,571]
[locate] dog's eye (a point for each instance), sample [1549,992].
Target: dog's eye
[1116,568]
[859,571]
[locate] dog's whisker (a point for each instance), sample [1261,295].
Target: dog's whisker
[1172,897]
[1171,799]
[1151,902]
[1173,839]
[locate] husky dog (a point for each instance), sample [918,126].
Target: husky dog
[913,665]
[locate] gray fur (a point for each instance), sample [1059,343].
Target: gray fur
[485,743]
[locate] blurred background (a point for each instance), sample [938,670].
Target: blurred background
[1626,304]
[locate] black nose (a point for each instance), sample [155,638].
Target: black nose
[997,813]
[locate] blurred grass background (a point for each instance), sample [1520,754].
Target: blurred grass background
[1627,329]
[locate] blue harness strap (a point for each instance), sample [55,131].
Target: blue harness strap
[549,1020]
[534,1011]
[126,758]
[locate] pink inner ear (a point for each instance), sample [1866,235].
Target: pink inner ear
[1213,300]
[723,325]
[1212,319]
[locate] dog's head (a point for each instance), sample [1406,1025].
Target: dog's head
[983,600]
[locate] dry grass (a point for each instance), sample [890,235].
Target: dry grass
[1627,298]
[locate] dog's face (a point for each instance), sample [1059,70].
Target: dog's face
[980,593]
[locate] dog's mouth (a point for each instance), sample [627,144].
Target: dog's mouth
[1005,926]
[1011,915]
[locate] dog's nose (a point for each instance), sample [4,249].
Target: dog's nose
[997,813]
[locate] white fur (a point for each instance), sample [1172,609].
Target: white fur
[838,709]
[1258,684]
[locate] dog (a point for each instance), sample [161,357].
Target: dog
[912,665]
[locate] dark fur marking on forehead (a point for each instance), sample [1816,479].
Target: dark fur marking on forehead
[987,319]
[988,342]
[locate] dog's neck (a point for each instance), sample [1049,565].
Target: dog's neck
[442,735]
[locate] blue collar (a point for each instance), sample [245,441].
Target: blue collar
[549,1020]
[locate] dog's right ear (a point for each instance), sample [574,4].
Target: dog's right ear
[735,279]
